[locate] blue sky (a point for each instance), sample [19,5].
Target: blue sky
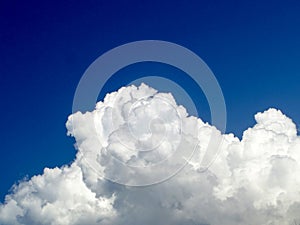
[253,48]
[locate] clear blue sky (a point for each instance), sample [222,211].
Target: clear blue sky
[253,48]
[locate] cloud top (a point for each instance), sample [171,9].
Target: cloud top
[137,135]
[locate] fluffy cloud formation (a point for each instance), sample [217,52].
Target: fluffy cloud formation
[138,136]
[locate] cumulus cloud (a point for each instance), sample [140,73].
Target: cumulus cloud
[138,136]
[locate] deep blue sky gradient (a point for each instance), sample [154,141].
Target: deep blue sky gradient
[253,48]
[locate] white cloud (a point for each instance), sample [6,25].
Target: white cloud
[136,136]
[59,196]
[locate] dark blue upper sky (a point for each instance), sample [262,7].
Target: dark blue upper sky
[253,48]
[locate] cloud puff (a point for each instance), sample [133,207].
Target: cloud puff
[138,136]
[59,196]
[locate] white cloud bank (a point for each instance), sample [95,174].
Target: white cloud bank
[254,181]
